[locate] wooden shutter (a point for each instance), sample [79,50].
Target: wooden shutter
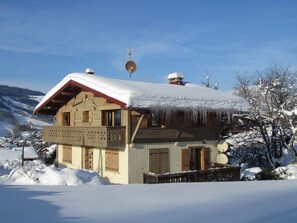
[206,158]
[67,154]
[90,116]
[72,118]
[159,160]
[112,159]
[185,159]
[59,119]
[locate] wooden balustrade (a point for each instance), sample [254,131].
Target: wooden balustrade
[218,173]
[85,136]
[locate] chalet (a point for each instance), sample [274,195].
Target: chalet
[124,128]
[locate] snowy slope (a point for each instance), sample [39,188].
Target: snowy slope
[15,111]
[5,128]
[244,202]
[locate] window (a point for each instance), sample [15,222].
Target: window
[111,118]
[67,154]
[86,117]
[66,118]
[112,160]
[159,160]
[117,118]
[154,120]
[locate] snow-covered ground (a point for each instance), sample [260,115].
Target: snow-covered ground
[245,202]
[39,174]
[39,193]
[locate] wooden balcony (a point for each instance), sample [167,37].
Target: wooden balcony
[218,172]
[85,136]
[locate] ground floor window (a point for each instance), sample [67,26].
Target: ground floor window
[67,153]
[112,159]
[159,160]
[196,159]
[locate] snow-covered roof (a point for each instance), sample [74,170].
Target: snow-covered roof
[175,75]
[135,94]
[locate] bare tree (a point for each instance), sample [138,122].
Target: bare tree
[208,83]
[272,95]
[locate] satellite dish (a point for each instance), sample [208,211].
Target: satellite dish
[222,159]
[130,67]
[222,146]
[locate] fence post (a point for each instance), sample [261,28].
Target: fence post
[23,153]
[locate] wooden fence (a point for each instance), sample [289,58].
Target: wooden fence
[217,173]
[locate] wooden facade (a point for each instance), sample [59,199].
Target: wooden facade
[85,136]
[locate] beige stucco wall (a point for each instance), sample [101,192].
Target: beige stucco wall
[139,156]
[120,176]
[76,157]
[134,159]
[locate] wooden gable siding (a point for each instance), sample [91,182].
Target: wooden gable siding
[87,131]
[85,101]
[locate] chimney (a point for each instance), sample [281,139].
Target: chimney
[90,71]
[176,78]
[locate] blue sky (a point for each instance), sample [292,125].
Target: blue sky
[42,41]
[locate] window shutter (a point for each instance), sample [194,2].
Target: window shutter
[185,159]
[72,118]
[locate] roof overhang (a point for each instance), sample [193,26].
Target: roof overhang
[65,93]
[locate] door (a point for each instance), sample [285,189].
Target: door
[88,158]
[159,160]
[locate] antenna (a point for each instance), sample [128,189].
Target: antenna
[130,65]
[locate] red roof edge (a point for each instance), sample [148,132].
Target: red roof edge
[100,94]
[86,88]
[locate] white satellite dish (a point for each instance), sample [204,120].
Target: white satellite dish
[222,146]
[222,159]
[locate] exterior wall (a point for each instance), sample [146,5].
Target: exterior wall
[134,158]
[120,176]
[139,156]
[76,157]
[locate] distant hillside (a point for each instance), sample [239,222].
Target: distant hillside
[17,91]
[16,110]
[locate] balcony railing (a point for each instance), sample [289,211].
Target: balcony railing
[85,136]
[217,173]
